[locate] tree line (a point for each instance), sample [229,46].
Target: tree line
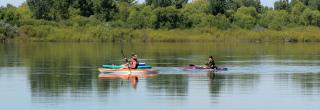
[168,14]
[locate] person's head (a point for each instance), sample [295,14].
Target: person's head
[210,58]
[134,55]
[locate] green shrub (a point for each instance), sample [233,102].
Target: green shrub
[7,31]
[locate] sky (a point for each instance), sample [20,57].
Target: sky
[268,3]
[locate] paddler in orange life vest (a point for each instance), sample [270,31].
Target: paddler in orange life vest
[134,61]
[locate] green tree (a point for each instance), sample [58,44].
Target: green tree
[9,14]
[159,3]
[310,17]
[217,6]
[50,9]
[141,18]
[130,2]
[245,17]
[252,3]
[294,2]
[124,11]
[60,9]
[7,31]
[221,22]
[195,14]
[275,19]
[41,8]
[24,12]
[86,7]
[179,3]
[296,12]
[314,4]
[166,3]
[105,9]
[167,17]
[235,4]
[282,5]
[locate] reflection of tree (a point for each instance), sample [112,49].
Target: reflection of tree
[282,80]
[223,83]
[55,84]
[176,85]
[100,53]
[57,69]
[214,83]
[48,84]
[308,82]
[9,55]
[59,84]
[105,86]
[54,75]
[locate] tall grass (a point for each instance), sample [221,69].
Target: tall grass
[103,33]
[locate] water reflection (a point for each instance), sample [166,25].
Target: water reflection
[302,83]
[309,83]
[10,55]
[57,84]
[65,74]
[229,83]
[107,86]
[168,84]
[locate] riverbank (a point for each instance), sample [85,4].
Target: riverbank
[104,34]
[100,33]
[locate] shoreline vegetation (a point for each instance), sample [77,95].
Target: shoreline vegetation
[166,21]
[105,34]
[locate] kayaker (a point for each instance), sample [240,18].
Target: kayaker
[211,64]
[134,61]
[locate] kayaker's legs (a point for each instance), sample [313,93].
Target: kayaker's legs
[214,67]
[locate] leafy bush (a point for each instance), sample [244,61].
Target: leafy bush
[245,17]
[7,31]
[275,19]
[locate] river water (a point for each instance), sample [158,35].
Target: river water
[50,76]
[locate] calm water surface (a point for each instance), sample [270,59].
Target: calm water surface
[38,76]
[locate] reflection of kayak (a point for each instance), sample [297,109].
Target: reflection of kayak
[140,66]
[192,68]
[128,71]
[125,75]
